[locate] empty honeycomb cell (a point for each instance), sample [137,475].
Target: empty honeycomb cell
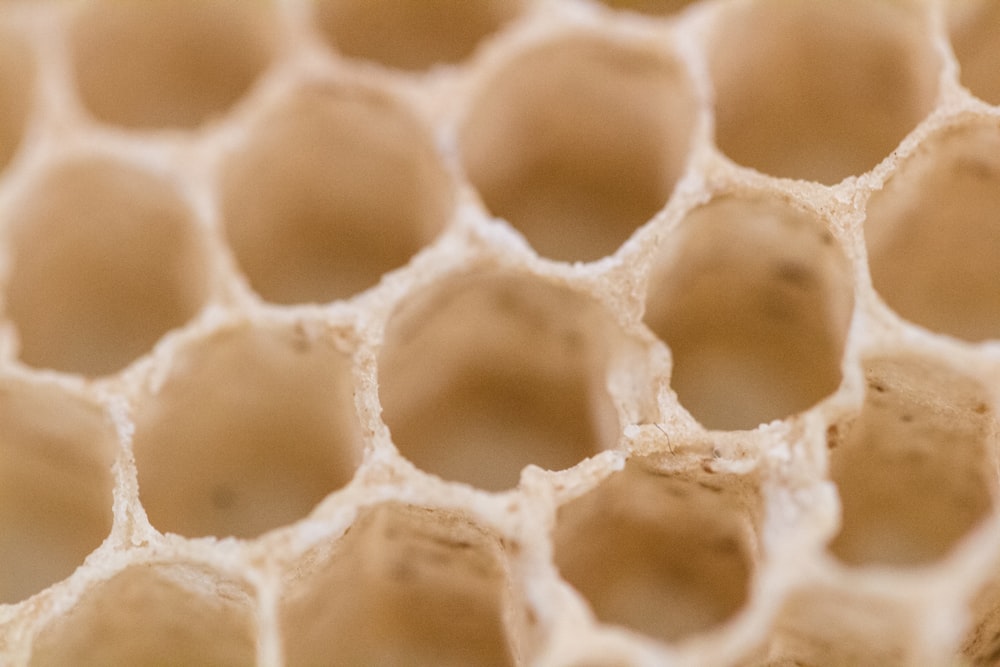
[933,242]
[754,298]
[105,259]
[405,586]
[56,452]
[488,373]
[335,187]
[975,39]
[579,142]
[160,614]
[842,625]
[251,429]
[651,7]
[412,34]
[668,556]
[916,469]
[168,63]
[818,90]
[16,86]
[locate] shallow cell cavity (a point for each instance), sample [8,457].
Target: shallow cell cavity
[916,469]
[168,63]
[667,556]
[56,453]
[336,186]
[579,142]
[251,429]
[489,373]
[154,615]
[820,90]
[105,259]
[933,235]
[754,298]
[413,587]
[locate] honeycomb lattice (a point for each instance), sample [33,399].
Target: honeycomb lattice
[564,333]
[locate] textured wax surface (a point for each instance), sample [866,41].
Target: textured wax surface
[568,333]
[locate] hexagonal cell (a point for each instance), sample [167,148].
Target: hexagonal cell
[817,90]
[252,428]
[412,586]
[105,259]
[579,142]
[412,34]
[976,42]
[754,298]
[650,7]
[56,453]
[17,74]
[168,63]
[487,373]
[916,469]
[668,555]
[155,614]
[848,623]
[933,242]
[336,187]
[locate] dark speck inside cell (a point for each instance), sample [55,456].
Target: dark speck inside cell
[795,274]
[223,497]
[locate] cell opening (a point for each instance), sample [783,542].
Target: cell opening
[489,373]
[413,586]
[820,91]
[17,82]
[976,43]
[932,234]
[336,187]
[56,453]
[252,428]
[579,142]
[915,471]
[754,299]
[413,34]
[154,615]
[105,259]
[169,63]
[650,7]
[667,556]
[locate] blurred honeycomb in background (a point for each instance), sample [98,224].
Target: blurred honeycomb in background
[564,333]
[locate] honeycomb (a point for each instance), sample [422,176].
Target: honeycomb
[568,333]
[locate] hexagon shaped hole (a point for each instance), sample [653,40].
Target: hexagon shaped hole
[336,186]
[754,298]
[105,259]
[670,556]
[932,236]
[579,142]
[414,586]
[168,63]
[155,614]
[56,453]
[490,372]
[917,470]
[252,427]
[820,90]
